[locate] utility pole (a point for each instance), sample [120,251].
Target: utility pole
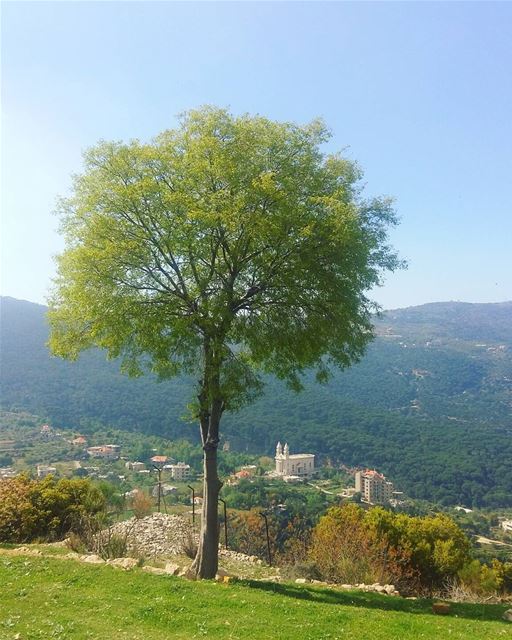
[159,471]
[225,523]
[264,515]
[193,505]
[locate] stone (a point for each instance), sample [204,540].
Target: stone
[347,586]
[92,559]
[389,589]
[507,615]
[379,589]
[441,608]
[159,534]
[172,569]
[157,571]
[123,563]
[300,581]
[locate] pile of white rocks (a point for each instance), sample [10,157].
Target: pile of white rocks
[156,535]
[239,557]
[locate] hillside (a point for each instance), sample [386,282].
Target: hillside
[54,597]
[429,405]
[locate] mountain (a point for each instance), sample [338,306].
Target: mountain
[429,404]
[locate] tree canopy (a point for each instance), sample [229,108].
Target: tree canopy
[224,247]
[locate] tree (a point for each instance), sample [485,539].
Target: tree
[226,247]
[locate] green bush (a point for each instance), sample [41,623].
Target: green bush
[45,510]
[420,553]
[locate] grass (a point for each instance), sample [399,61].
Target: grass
[55,598]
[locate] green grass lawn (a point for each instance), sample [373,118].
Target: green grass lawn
[53,598]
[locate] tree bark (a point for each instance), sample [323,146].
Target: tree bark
[207,558]
[211,406]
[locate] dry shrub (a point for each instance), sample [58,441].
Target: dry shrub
[190,546]
[345,550]
[142,505]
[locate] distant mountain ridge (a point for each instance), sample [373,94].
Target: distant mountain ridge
[429,405]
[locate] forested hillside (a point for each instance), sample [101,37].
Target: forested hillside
[429,405]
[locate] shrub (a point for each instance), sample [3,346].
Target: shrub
[483,580]
[346,549]
[142,505]
[353,545]
[112,545]
[190,546]
[46,509]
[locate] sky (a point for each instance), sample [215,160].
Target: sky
[420,94]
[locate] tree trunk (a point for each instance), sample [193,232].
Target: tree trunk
[211,407]
[206,561]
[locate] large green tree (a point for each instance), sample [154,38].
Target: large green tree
[225,247]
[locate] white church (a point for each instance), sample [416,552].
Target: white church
[296,467]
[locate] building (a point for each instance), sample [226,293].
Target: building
[44,470]
[105,451]
[250,469]
[165,490]
[373,487]
[159,459]
[135,466]
[300,465]
[180,471]
[46,431]
[79,441]
[506,525]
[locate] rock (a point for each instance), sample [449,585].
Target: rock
[300,581]
[379,589]
[123,563]
[389,589]
[347,586]
[157,571]
[92,559]
[507,615]
[172,569]
[396,593]
[159,534]
[441,608]
[27,551]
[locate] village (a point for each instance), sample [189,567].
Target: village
[162,476]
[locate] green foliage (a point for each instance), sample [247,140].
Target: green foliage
[350,544]
[46,509]
[237,229]
[480,579]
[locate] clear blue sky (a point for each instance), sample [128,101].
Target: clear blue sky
[419,93]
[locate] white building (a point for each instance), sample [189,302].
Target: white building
[373,487]
[135,466]
[44,470]
[506,525]
[105,451]
[300,465]
[180,471]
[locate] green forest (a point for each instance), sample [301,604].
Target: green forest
[429,404]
